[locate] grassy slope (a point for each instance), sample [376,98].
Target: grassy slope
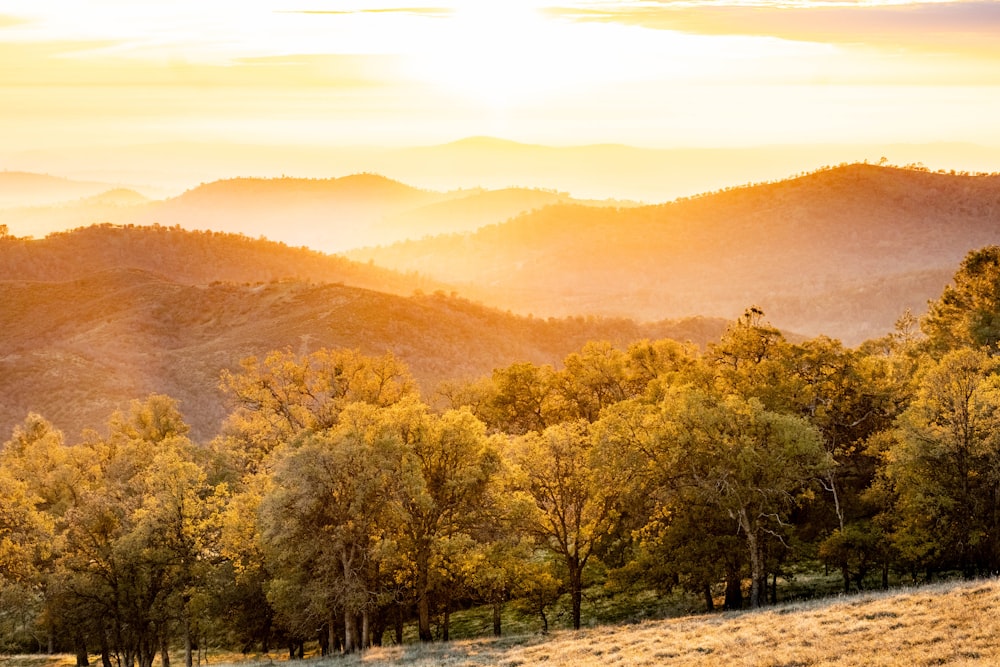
[954,624]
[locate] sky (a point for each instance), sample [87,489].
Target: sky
[669,73]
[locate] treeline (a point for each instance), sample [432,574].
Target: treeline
[337,506]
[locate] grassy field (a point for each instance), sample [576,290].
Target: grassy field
[944,624]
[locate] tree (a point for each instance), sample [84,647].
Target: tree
[139,529]
[284,395]
[522,398]
[25,532]
[943,466]
[747,462]
[454,463]
[574,500]
[751,360]
[333,506]
[968,311]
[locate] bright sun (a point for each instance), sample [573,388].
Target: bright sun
[497,54]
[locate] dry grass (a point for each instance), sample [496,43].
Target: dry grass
[37,660]
[946,624]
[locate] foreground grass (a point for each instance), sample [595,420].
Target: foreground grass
[946,624]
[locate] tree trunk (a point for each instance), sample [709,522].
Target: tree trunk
[350,632]
[734,589]
[323,637]
[331,629]
[105,651]
[756,561]
[188,642]
[366,630]
[446,621]
[545,621]
[497,608]
[575,589]
[424,617]
[265,640]
[164,650]
[399,625]
[423,594]
[80,646]
[709,600]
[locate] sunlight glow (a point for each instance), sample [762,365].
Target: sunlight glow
[648,73]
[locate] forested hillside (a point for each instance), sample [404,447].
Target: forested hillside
[840,252]
[188,257]
[78,344]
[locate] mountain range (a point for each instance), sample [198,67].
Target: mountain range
[101,314]
[327,214]
[842,251]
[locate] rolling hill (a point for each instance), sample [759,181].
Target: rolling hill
[188,257]
[328,214]
[841,251]
[103,315]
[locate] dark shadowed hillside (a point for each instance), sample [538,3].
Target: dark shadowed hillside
[74,351]
[841,251]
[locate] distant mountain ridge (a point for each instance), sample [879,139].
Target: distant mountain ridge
[846,238]
[19,188]
[327,214]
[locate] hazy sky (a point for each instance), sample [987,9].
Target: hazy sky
[667,73]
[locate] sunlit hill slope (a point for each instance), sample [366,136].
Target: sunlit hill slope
[88,325]
[840,252]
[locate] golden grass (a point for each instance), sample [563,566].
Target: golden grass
[946,624]
[37,660]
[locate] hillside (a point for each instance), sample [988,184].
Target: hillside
[841,251]
[74,351]
[946,624]
[188,257]
[328,214]
[478,209]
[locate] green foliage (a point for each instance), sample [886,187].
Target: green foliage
[968,311]
[942,466]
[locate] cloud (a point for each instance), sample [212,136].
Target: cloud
[957,27]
